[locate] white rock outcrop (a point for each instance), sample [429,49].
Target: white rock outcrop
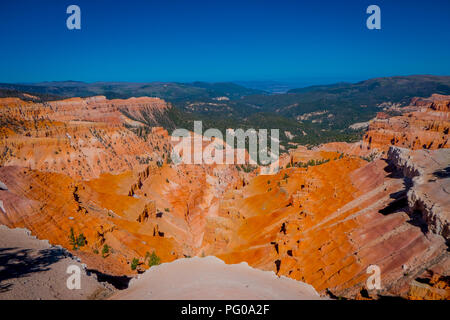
[430,190]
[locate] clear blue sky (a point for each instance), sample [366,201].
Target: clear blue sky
[221,40]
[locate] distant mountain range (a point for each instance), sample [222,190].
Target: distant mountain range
[170,91]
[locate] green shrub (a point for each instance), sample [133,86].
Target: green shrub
[105,250]
[76,242]
[72,240]
[81,240]
[134,263]
[153,260]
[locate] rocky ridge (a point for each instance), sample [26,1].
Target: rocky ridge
[31,269]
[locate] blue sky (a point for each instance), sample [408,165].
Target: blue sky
[186,40]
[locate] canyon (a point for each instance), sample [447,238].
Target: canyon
[101,168]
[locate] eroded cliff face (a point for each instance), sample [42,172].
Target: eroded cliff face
[328,214]
[80,137]
[92,165]
[425,125]
[326,225]
[429,172]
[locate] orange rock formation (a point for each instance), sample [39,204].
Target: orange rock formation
[90,165]
[424,128]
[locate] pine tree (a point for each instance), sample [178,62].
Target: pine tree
[154,260]
[72,239]
[81,240]
[134,264]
